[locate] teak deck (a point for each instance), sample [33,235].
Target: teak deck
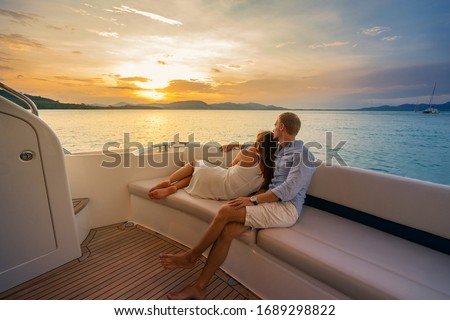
[121,262]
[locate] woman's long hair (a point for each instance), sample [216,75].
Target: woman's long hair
[266,146]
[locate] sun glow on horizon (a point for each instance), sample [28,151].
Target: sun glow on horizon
[151,94]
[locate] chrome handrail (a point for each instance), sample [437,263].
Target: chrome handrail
[163,146]
[22,97]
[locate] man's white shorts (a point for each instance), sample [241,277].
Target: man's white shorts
[271,215]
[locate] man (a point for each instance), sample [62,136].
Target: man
[280,206]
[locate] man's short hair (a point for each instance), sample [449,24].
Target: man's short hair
[291,122]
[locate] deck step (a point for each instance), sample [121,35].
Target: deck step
[79,204]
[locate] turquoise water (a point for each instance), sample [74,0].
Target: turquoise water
[407,144]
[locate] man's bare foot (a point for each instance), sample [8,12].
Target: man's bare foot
[173,261]
[162,184]
[193,291]
[162,193]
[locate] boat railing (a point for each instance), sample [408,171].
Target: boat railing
[22,97]
[166,145]
[163,146]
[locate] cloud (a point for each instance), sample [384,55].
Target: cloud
[80,80]
[80,11]
[405,81]
[18,17]
[108,34]
[375,31]
[230,66]
[125,88]
[135,83]
[134,79]
[284,44]
[182,86]
[92,8]
[331,44]
[55,27]
[18,42]
[390,38]
[153,16]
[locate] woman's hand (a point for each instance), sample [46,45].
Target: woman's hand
[229,147]
[240,202]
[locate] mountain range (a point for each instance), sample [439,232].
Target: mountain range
[408,107]
[46,103]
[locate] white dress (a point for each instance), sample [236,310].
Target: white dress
[213,182]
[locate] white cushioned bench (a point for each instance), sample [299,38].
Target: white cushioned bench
[203,209]
[358,260]
[334,256]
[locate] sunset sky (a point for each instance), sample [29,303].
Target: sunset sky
[289,53]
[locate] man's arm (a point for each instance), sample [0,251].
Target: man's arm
[267,196]
[240,202]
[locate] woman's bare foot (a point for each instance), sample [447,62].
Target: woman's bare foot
[173,261]
[162,193]
[193,291]
[162,184]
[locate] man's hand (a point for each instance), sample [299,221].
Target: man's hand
[240,202]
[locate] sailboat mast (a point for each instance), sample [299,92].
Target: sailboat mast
[432,95]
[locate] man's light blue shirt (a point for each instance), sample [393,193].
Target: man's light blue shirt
[294,167]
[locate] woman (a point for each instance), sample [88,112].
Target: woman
[251,170]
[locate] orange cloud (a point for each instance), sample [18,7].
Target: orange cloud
[18,42]
[134,79]
[182,86]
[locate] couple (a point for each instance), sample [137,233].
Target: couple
[251,169]
[278,206]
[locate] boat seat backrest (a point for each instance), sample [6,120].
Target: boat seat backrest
[414,203]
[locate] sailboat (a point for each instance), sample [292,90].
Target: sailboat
[430,108]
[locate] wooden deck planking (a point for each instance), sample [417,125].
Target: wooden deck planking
[121,262]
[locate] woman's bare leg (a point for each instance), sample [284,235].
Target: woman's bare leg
[182,173]
[162,193]
[163,184]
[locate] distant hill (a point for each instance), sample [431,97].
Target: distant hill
[247,106]
[200,105]
[180,105]
[46,103]
[408,107]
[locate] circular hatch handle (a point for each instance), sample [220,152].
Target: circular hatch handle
[27,155]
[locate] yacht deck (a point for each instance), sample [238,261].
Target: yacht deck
[121,262]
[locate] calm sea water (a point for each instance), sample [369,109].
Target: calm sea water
[402,143]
